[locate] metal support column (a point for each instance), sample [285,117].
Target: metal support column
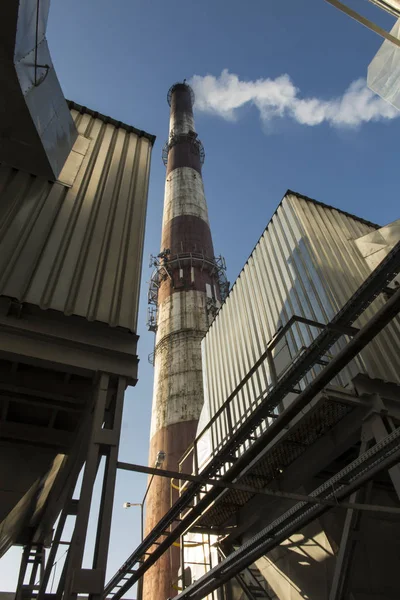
[22,572]
[69,509]
[182,552]
[104,441]
[366,22]
[347,542]
[124,578]
[111,444]
[34,555]
[380,430]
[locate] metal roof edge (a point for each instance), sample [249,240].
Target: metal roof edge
[269,221]
[343,212]
[106,119]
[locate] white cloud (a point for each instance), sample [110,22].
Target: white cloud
[279,97]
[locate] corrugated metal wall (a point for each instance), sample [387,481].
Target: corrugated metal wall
[78,248]
[306,263]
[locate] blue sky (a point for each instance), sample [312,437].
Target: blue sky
[121,57]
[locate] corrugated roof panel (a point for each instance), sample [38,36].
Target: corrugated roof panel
[390,6]
[78,249]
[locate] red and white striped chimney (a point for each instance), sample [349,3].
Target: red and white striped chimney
[186,289]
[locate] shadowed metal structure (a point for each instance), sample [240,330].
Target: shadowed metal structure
[36,128]
[70,265]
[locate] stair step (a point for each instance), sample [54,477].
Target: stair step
[257,593]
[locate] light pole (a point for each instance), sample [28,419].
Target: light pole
[128,505]
[159,461]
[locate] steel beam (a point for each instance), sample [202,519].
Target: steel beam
[381,456]
[346,545]
[107,493]
[366,22]
[35,434]
[346,550]
[315,458]
[75,558]
[52,555]
[104,441]
[22,572]
[257,491]
[67,511]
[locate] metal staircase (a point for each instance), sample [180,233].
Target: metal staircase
[251,581]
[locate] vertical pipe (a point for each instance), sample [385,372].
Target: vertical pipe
[22,572]
[77,547]
[141,523]
[140,582]
[36,40]
[182,549]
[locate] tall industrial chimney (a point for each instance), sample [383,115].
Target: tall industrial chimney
[186,289]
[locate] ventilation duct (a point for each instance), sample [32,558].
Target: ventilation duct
[36,128]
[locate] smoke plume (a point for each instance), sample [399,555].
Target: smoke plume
[277,98]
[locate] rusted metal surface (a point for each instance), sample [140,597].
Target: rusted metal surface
[184,195]
[162,582]
[77,249]
[177,313]
[187,286]
[182,123]
[183,155]
[187,234]
[191,277]
[178,393]
[180,98]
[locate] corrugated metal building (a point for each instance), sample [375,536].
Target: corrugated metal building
[70,265]
[310,260]
[75,246]
[308,263]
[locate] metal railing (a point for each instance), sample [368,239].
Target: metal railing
[225,413]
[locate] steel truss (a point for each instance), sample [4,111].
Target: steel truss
[164,264]
[382,455]
[105,426]
[231,460]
